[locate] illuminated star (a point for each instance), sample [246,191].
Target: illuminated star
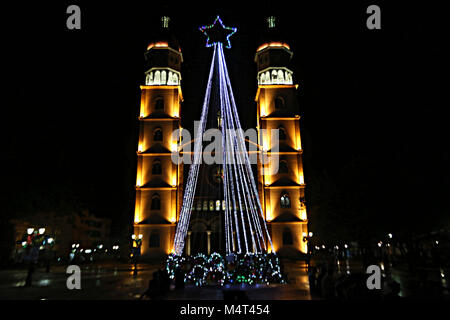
[217,32]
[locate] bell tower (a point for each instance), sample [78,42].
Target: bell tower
[281,191]
[159,181]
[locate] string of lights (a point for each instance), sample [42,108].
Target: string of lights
[243,211]
[189,193]
[240,140]
[201,270]
[246,176]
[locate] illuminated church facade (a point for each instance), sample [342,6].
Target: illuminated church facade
[159,181]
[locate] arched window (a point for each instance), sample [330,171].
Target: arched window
[282,133]
[211,205]
[218,205]
[154,240]
[175,79]
[159,103]
[157,135]
[156,167]
[149,78]
[268,81]
[274,77]
[279,103]
[163,77]
[157,79]
[288,78]
[223,205]
[285,201]
[156,202]
[280,76]
[283,167]
[199,205]
[287,237]
[205,205]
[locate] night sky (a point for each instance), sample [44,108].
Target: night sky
[378,97]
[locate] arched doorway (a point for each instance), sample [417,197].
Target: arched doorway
[198,237]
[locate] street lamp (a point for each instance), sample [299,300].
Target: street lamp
[136,250]
[307,236]
[30,231]
[41,230]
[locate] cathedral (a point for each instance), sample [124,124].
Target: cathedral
[160,181]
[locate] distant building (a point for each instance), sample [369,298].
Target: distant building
[65,230]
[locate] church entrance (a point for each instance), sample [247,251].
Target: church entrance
[205,235]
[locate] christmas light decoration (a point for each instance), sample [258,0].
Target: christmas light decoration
[245,229]
[218,33]
[201,270]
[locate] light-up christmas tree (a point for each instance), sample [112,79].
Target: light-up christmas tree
[247,239]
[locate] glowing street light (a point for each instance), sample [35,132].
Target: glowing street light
[137,243]
[30,231]
[41,230]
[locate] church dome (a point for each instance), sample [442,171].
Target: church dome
[271,36]
[164,37]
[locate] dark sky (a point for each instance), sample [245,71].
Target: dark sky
[70,117]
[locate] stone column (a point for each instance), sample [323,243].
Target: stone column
[209,241]
[188,243]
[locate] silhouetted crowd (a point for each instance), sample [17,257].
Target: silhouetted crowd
[158,286]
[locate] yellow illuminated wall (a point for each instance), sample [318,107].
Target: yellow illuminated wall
[154,150]
[289,150]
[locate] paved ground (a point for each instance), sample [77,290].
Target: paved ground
[97,282]
[116,281]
